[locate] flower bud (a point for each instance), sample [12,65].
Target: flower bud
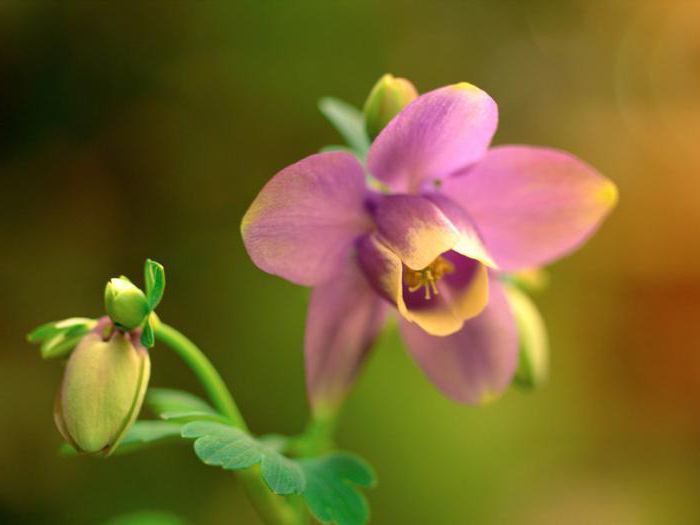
[103,387]
[125,303]
[388,96]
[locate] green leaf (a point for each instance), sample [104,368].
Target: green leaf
[331,494]
[232,449]
[148,338]
[144,433]
[348,121]
[49,330]
[533,359]
[42,332]
[58,338]
[154,277]
[59,345]
[176,405]
[140,435]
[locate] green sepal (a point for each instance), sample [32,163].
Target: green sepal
[148,338]
[141,435]
[183,407]
[335,147]
[348,121]
[331,493]
[154,279]
[58,338]
[232,449]
[533,357]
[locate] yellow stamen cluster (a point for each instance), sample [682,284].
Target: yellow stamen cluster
[428,277]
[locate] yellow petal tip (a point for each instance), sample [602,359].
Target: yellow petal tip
[608,194]
[466,86]
[488,397]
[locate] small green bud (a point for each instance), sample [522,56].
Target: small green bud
[103,387]
[125,303]
[388,96]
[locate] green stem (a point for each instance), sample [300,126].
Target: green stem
[275,510]
[210,379]
[318,436]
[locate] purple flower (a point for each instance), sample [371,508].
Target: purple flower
[454,215]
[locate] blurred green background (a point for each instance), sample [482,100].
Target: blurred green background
[134,131]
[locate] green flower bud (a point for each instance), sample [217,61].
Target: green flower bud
[388,96]
[102,390]
[125,303]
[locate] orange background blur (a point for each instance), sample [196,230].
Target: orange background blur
[145,131]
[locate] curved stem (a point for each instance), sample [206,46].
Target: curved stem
[208,376]
[275,510]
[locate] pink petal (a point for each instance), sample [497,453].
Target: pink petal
[344,318]
[414,228]
[418,228]
[532,205]
[381,267]
[475,364]
[303,223]
[438,134]
[470,242]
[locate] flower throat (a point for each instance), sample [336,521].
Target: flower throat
[428,277]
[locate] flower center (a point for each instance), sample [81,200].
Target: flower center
[428,277]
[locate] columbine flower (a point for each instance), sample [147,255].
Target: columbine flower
[455,214]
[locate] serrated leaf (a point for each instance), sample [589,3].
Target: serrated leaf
[140,435]
[154,278]
[176,405]
[232,449]
[148,338]
[348,121]
[331,494]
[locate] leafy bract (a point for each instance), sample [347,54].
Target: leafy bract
[154,278]
[176,405]
[331,493]
[232,449]
[148,337]
[58,338]
[348,121]
[533,359]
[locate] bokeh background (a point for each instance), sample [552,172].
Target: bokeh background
[145,130]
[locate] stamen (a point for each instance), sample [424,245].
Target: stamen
[428,277]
